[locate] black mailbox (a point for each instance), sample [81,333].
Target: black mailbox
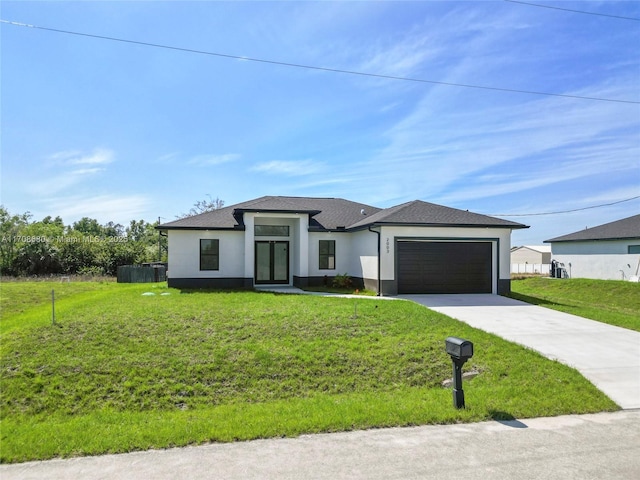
[460,351]
[458,348]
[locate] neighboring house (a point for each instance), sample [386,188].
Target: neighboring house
[608,252]
[416,247]
[531,259]
[531,254]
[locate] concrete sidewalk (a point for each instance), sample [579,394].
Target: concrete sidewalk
[608,356]
[597,446]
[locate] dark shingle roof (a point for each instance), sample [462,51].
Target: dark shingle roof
[221,218]
[618,230]
[418,212]
[336,213]
[326,213]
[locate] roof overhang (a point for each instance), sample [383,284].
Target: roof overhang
[435,225]
[237,228]
[610,239]
[265,210]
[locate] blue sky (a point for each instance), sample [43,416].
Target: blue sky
[119,131]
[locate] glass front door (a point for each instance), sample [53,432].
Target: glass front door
[272,262]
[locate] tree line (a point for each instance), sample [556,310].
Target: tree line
[86,247]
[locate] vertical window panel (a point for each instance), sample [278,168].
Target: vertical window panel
[209,254]
[327,257]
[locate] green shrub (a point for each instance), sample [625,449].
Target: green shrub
[342,281]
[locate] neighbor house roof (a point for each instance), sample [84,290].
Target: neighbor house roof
[535,248]
[338,214]
[618,230]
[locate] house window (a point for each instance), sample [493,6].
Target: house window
[209,254]
[271,230]
[633,248]
[327,255]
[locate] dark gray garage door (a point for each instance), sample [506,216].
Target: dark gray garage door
[444,267]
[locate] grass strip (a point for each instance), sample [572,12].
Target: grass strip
[108,431]
[608,301]
[124,371]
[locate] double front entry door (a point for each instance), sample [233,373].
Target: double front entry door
[272,262]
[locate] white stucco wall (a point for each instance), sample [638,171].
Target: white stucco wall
[356,252]
[343,254]
[601,260]
[600,267]
[237,248]
[499,237]
[364,260]
[184,254]
[298,240]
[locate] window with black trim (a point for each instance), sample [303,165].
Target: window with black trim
[633,249]
[271,230]
[209,254]
[327,260]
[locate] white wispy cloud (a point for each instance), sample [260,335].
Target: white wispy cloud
[86,171]
[61,181]
[537,141]
[70,186]
[168,158]
[401,58]
[99,156]
[541,205]
[434,52]
[213,159]
[462,144]
[107,207]
[65,155]
[292,168]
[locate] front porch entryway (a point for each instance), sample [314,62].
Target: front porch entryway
[272,262]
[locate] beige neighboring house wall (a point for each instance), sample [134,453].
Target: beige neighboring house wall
[532,254]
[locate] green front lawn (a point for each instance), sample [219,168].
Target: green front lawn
[609,301]
[123,371]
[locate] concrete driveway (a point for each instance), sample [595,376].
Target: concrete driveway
[606,355]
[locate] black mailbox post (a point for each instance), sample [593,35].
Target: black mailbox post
[460,351]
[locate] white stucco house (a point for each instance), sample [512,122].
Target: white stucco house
[608,252]
[416,247]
